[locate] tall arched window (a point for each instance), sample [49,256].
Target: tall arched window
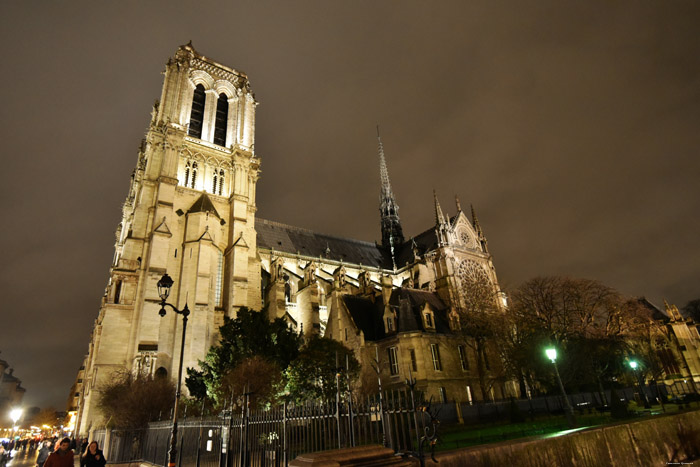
[197,114]
[194,174]
[215,179]
[221,181]
[187,173]
[220,122]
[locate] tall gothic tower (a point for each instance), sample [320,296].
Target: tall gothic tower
[190,212]
[392,234]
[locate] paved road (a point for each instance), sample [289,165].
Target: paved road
[23,459]
[27,459]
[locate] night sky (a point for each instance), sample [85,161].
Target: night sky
[573,127]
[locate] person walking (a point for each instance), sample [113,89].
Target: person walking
[44,452]
[62,457]
[93,457]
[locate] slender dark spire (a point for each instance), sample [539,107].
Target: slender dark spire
[392,233]
[475,221]
[439,217]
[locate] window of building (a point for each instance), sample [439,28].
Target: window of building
[443,395]
[117,291]
[215,179]
[429,320]
[435,352]
[194,174]
[188,167]
[469,395]
[393,361]
[463,357]
[221,182]
[220,120]
[219,280]
[485,354]
[390,324]
[197,113]
[414,362]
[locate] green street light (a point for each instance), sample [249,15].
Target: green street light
[633,364]
[568,410]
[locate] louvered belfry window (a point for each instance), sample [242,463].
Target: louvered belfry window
[197,114]
[220,123]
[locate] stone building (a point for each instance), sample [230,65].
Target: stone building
[191,211]
[676,342]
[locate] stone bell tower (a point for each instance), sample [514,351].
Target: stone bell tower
[190,212]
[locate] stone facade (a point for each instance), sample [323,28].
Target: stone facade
[191,211]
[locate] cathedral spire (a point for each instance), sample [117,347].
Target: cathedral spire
[439,217]
[392,234]
[475,222]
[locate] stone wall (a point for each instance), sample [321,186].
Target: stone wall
[657,441]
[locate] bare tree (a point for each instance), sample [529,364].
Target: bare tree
[131,401]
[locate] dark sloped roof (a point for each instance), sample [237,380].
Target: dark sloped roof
[410,303]
[367,315]
[425,241]
[203,204]
[655,312]
[289,239]
[407,303]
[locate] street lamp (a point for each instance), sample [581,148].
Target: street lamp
[15,414]
[633,364]
[164,285]
[568,410]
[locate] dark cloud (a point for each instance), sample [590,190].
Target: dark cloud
[573,128]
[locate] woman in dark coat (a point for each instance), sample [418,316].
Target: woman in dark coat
[92,457]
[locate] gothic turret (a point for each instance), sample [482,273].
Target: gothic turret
[392,234]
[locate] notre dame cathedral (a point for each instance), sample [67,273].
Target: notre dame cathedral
[190,211]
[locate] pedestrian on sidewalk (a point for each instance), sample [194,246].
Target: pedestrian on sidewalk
[62,457]
[44,452]
[93,457]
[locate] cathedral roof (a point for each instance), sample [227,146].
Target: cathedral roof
[406,303]
[286,238]
[204,204]
[653,311]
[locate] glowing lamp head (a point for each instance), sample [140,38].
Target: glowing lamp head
[164,285]
[551,354]
[633,364]
[15,414]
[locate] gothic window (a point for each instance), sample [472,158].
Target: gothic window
[197,113]
[188,167]
[220,122]
[194,174]
[435,353]
[393,361]
[470,273]
[215,179]
[221,183]
[219,280]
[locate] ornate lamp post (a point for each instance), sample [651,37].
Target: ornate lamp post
[634,365]
[164,285]
[568,410]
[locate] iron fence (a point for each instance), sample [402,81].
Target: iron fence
[274,436]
